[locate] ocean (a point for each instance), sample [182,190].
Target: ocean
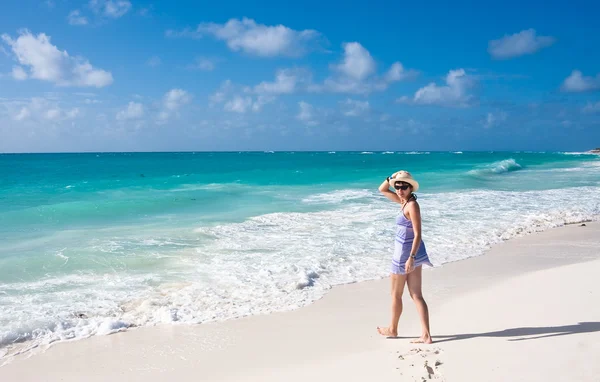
[95,243]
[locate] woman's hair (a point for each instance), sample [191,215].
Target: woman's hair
[413,195]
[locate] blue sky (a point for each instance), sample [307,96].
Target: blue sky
[128,75]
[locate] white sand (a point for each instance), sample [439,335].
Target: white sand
[528,310]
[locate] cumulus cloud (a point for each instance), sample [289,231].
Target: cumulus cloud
[454,93]
[243,104]
[519,44]
[133,110]
[110,8]
[353,108]
[286,81]
[357,62]
[397,73]
[46,62]
[307,114]
[19,73]
[221,94]
[173,101]
[356,73]
[22,114]
[233,101]
[577,82]
[248,36]
[175,98]
[75,18]
[41,109]
[238,104]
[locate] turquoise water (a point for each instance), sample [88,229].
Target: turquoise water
[95,243]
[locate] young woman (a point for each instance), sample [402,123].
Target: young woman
[409,253]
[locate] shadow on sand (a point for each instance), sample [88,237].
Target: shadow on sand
[526,332]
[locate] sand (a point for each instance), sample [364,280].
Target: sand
[527,310]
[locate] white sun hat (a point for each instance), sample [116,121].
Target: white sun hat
[404,176]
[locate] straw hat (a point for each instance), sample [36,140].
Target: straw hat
[404,176]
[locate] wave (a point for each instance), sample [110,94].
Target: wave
[339,196]
[579,153]
[500,167]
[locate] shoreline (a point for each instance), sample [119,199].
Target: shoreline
[310,333]
[39,349]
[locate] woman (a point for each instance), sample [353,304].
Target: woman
[409,253]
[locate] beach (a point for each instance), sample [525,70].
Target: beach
[526,310]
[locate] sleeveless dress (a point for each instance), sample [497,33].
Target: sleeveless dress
[403,245]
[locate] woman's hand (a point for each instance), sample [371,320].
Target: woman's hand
[409,265]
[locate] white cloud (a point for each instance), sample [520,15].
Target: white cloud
[397,73]
[232,101]
[257,39]
[285,83]
[173,101]
[577,82]
[592,107]
[134,110]
[175,98]
[154,61]
[221,94]
[494,119]
[41,109]
[519,44]
[110,8]
[260,101]
[75,18]
[19,73]
[238,104]
[47,63]
[454,93]
[353,108]
[355,73]
[307,114]
[357,63]
[24,113]
[243,104]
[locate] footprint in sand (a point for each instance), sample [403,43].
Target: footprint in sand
[422,364]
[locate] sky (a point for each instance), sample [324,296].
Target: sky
[133,75]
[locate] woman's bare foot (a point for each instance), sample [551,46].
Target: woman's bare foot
[387,332]
[422,340]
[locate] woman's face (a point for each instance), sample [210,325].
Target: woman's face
[403,189]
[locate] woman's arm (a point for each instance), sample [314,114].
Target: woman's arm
[384,188]
[414,212]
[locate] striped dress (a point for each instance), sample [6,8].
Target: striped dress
[403,245]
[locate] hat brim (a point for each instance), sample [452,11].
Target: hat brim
[412,182]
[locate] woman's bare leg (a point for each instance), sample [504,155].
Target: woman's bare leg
[414,281]
[397,284]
